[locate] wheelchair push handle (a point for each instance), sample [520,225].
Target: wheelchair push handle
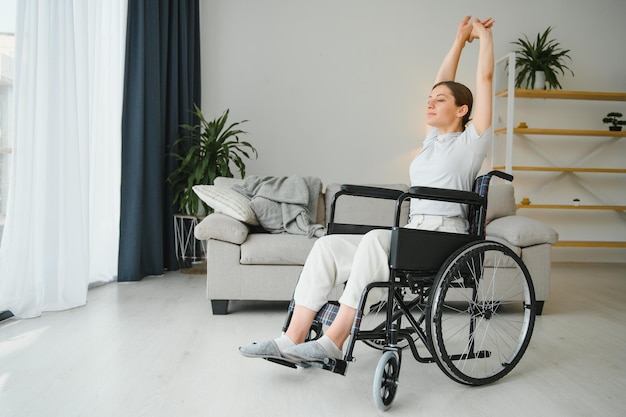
[504,175]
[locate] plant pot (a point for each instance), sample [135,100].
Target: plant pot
[540,80]
[615,128]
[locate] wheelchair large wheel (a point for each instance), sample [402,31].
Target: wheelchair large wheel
[386,380]
[482,313]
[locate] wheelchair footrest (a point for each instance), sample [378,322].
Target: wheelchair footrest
[480,354]
[338,366]
[288,363]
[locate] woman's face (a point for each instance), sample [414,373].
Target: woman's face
[441,109]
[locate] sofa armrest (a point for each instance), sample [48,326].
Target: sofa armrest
[522,231]
[219,226]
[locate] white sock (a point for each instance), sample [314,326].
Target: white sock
[284,342]
[330,347]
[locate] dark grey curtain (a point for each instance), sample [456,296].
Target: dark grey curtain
[162,82]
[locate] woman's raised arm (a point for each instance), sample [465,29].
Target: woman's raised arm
[447,70]
[484,75]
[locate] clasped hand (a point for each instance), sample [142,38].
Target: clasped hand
[470,30]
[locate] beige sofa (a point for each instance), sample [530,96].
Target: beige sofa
[246,263]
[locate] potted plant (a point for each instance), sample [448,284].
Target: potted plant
[543,55]
[615,119]
[204,151]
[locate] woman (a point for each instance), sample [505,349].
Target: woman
[451,157]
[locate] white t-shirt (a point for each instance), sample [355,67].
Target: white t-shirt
[452,161]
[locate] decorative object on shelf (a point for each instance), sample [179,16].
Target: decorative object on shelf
[522,125]
[542,55]
[540,80]
[205,152]
[526,201]
[615,119]
[576,202]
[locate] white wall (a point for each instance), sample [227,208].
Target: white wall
[337,88]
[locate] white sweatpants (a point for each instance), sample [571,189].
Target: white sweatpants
[356,260]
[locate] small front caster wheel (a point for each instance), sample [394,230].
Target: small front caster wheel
[386,380]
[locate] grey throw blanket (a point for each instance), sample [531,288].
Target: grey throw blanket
[284,204]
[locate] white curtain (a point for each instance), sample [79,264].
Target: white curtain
[62,223]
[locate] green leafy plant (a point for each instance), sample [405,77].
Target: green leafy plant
[614,119]
[204,152]
[541,55]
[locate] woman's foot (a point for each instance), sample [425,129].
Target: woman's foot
[314,351]
[268,349]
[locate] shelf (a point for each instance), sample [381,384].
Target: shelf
[544,143]
[565,169]
[566,95]
[568,207]
[562,132]
[589,244]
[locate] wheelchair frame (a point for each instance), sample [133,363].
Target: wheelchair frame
[449,265]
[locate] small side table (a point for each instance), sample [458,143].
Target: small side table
[190,252]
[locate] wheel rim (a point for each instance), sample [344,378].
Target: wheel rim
[482,313]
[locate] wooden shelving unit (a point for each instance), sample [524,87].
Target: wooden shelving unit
[566,95]
[569,207]
[562,132]
[564,169]
[589,244]
[605,139]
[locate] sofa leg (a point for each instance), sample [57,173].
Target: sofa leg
[220,307]
[539,307]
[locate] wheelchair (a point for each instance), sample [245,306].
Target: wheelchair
[459,300]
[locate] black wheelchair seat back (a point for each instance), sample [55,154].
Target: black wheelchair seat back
[424,250]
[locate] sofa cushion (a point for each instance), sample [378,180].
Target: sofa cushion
[366,211]
[221,227]
[321,210]
[227,201]
[275,249]
[227,181]
[516,249]
[500,201]
[522,231]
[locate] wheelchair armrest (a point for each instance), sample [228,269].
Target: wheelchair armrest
[358,191]
[444,194]
[372,192]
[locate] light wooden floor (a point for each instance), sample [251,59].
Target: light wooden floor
[154,349]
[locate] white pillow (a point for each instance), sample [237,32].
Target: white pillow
[522,231]
[219,226]
[500,201]
[227,201]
